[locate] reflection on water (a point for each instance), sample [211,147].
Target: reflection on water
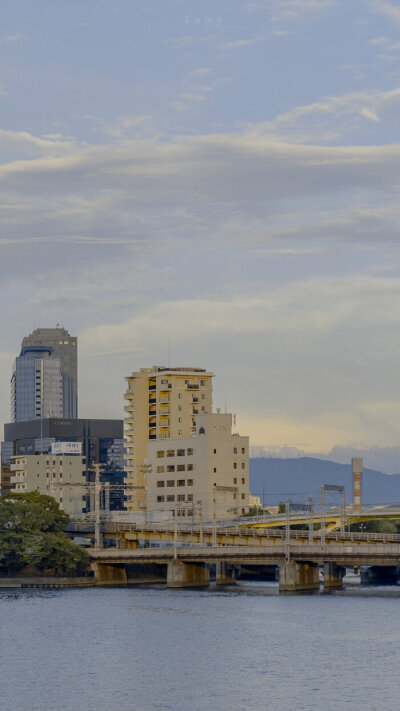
[244,648]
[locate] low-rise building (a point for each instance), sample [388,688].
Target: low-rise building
[205,474]
[62,476]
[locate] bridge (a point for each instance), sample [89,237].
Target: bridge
[182,555]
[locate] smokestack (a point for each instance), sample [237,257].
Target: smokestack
[357,469]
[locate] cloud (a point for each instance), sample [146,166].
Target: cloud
[331,118]
[292,11]
[385,8]
[10,39]
[239,44]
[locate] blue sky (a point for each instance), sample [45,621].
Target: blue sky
[222,177]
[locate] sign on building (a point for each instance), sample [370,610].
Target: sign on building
[66,448]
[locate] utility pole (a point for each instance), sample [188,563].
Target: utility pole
[311,521]
[176,532]
[201,522]
[97,512]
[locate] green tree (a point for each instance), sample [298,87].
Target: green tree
[31,534]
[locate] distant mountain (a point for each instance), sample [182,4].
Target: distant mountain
[296,479]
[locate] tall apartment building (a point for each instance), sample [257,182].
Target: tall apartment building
[36,385]
[162,403]
[205,475]
[64,347]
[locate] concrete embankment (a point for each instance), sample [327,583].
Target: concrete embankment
[46,582]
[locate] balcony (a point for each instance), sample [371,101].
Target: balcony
[192,387]
[195,412]
[152,413]
[164,413]
[164,400]
[195,399]
[152,425]
[164,423]
[152,401]
[152,387]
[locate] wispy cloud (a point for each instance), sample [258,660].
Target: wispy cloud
[240,43]
[10,39]
[386,8]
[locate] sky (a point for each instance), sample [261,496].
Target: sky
[213,183]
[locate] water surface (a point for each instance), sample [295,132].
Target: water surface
[230,649]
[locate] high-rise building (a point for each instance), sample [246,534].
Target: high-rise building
[36,385]
[64,347]
[161,403]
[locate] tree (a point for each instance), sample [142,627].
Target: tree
[31,534]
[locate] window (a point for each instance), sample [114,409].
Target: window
[160,470]
[203,397]
[180,468]
[243,450]
[171,468]
[180,432]
[202,382]
[180,482]
[160,499]
[179,419]
[235,480]
[189,497]
[235,450]
[215,451]
[243,480]
[180,452]
[160,484]
[243,496]
[189,482]
[215,469]
[243,465]
[160,454]
[190,467]
[170,497]
[170,453]
[163,381]
[190,452]
[171,482]
[180,497]
[235,465]
[180,396]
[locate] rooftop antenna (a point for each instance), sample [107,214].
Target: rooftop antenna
[234,418]
[169,365]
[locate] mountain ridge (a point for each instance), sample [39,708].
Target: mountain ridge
[296,479]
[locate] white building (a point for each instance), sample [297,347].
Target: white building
[62,476]
[207,472]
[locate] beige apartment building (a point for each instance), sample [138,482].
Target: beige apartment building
[162,403]
[61,476]
[205,474]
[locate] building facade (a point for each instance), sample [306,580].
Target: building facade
[65,348]
[36,385]
[162,403]
[61,476]
[101,443]
[205,474]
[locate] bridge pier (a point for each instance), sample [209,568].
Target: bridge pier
[294,577]
[107,574]
[225,574]
[333,575]
[187,575]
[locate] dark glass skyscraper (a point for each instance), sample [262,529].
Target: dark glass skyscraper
[65,348]
[36,385]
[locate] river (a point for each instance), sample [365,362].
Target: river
[234,649]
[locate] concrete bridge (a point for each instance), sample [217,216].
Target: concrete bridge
[184,555]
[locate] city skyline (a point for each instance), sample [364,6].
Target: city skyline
[212,184]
